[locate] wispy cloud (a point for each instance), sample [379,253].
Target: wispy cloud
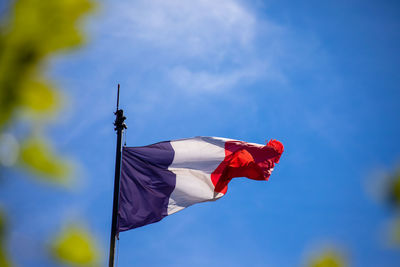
[200,45]
[192,27]
[209,81]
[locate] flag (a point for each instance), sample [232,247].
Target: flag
[166,177]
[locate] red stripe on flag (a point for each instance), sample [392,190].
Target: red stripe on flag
[246,160]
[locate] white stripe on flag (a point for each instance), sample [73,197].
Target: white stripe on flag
[193,170]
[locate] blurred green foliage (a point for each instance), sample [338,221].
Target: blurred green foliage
[75,246]
[393,199]
[394,188]
[35,30]
[395,232]
[31,33]
[37,156]
[328,259]
[4,262]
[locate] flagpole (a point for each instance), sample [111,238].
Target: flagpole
[119,127]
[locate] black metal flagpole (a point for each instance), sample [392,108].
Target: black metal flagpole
[119,127]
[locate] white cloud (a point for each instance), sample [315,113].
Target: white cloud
[197,45]
[195,27]
[208,81]
[203,80]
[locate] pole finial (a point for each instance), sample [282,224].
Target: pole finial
[120,118]
[118,98]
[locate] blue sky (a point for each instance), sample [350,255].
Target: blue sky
[320,76]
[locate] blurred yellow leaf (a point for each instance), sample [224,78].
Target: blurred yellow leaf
[4,262]
[50,25]
[39,97]
[328,259]
[36,155]
[75,246]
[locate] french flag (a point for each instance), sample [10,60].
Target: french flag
[166,177]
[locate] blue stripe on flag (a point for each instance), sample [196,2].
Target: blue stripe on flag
[146,185]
